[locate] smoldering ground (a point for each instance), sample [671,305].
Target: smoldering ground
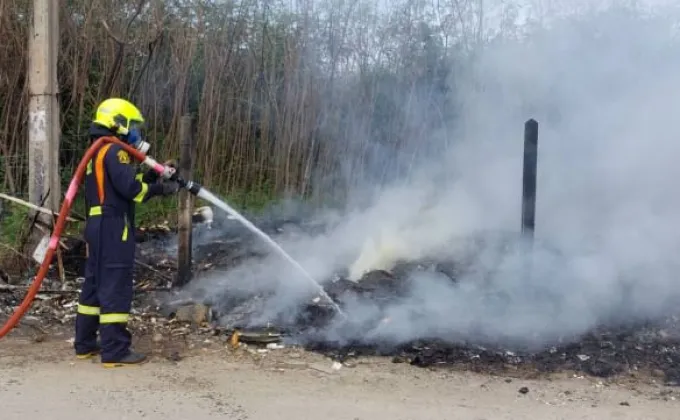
[604,87]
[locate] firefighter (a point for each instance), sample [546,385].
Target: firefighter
[112,187]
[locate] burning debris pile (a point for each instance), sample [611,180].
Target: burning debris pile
[222,303]
[603,352]
[238,305]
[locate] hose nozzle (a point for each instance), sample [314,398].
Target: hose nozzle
[191,186]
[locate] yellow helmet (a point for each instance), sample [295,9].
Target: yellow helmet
[119,116]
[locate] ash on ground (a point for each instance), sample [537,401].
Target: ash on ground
[608,350]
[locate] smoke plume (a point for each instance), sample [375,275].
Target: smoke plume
[604,87]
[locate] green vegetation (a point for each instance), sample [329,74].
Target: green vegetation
[287,101]
[12,224]
[310,101]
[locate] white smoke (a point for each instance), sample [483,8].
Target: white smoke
[604,87]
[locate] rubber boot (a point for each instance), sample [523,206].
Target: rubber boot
[90,354]
[131,359]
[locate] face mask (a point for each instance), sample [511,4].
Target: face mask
[135,139]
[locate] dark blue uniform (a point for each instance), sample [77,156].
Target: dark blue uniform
[112,187]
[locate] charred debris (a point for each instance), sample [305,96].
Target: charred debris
[609,350]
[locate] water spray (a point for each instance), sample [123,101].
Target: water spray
[202,193]
[206,195]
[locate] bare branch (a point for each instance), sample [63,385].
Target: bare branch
[120,52]
[110,33]
[152,47]
[134,16]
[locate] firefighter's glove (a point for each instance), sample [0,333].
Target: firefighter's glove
[173,164]
[151,176]
[169,187]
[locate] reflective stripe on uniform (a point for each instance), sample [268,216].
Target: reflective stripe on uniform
[113,318]
[88,310]
[97,211]
[145,189]
[99,171]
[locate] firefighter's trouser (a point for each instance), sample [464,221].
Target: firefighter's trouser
[106,296]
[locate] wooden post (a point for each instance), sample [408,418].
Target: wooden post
[185,204]
[43,116]
[529,179]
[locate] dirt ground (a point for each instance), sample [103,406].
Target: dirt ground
[43,380]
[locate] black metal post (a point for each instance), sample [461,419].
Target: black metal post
[529,178]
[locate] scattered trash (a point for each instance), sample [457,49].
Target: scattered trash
[260,336]
[170,317]
[203,215]
[334,367]
[197,314]
[275,346]
[234,340]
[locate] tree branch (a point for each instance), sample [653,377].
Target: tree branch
[158,39]
[120,44]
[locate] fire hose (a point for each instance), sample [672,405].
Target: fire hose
[162,170]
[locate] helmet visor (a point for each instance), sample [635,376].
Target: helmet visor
[136,125]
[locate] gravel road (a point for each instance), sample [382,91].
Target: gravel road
[41,380]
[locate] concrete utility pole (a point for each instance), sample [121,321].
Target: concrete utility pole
[43,115]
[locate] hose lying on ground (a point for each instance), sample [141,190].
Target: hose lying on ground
[63,214]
